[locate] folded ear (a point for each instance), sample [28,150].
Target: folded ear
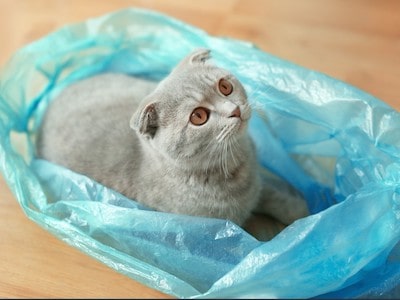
[145,120]
[199,56]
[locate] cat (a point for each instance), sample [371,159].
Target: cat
[178,146]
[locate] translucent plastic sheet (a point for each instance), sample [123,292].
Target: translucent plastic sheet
[335,143]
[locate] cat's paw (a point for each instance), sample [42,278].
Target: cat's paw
[282,202]
[293,207]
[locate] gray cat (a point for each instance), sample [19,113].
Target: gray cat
[188,152]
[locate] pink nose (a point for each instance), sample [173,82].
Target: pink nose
[236,113]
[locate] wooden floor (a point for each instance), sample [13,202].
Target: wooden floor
[357,41]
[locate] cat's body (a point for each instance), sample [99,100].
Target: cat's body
[189,152]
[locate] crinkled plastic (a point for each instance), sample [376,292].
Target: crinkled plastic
[338,145]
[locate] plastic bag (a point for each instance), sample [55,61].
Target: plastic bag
[338,145]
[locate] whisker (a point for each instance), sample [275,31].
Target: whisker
[258,94]
[233,150]
[211,157]
[223,152]
[227,131]
[225,160]
[218,138]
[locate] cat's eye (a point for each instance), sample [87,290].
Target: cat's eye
[199,116]
[225,87]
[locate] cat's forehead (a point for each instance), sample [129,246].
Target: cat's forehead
[201,78]
[190,85]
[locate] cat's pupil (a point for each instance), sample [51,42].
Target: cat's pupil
[225,87]
[199,116]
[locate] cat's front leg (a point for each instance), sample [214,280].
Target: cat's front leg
[280,200]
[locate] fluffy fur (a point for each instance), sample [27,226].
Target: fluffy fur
[135,136]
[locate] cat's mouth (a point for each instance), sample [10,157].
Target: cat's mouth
[242,125]
[236,128]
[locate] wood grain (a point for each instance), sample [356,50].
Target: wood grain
[356,41]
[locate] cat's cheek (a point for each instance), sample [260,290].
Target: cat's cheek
[246,112]
[243,127]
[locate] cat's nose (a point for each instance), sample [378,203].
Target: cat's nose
[236,113]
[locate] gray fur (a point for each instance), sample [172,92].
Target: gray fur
[165,162]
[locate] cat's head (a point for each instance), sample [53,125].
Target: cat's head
[197,116]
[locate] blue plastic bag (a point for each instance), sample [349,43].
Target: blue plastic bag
[338,145]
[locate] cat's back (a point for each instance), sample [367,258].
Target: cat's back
[99,92]
[89,121]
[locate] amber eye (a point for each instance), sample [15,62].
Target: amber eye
[225,87]
[199,116]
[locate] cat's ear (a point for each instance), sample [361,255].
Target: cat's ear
[145,120]
[199,56]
